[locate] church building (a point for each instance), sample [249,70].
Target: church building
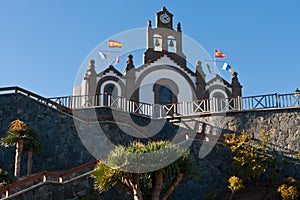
[163,78]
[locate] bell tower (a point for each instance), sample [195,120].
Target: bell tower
[164,40]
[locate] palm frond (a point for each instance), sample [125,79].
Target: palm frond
[105,177]
[17,125]
[11,139]
[32,141]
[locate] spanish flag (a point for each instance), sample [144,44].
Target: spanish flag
[114,44]
[219,54]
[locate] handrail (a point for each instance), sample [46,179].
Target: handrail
[39,98]
[45,175]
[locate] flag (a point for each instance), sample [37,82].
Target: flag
[227,67]
[208,67]
[104,56]
[114,44]
[117,60]
[219,54]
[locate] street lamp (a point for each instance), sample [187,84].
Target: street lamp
[297,92]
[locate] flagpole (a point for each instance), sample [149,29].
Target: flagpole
[214,62]
[217,61]
[111,51]
[108,53]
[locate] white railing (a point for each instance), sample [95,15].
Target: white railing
[67,103]
[182,108]
[105,100]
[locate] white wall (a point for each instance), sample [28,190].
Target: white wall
[146,93]
[164,61]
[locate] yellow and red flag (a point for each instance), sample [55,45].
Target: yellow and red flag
[117,60]
[114,44]
[219,54]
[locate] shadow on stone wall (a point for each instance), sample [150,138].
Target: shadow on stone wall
[62,148]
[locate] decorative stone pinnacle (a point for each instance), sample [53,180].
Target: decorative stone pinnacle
[199,70]
[179,27]
[129,65]
[149,23]
[92,64]
[234,79]
[129,58]
[234,75]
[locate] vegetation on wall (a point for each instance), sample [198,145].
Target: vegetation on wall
[4,178]
[288,190]
[252,159]
[23,138]
[235,184]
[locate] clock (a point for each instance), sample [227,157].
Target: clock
[164,18]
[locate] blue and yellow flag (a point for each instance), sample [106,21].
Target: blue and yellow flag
[227,67]
[104,55]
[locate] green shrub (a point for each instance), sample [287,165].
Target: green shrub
[4,178]
[235,184]
[288,191]
[251,157]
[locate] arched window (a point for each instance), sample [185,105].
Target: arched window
[171,44]
[110,94]
[157,42]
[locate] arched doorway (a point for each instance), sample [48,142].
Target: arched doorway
[165,96]
[165,93]
[220,102]
[110,94]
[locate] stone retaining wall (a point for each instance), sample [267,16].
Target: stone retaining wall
[63,149]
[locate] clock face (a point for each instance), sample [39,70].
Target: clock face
[164,18]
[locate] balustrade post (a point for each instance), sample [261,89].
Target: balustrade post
[6,193]
[101,96]
[239,103]
[44,178]
[70,102]
[160,110]
[277,101]
[124,104]
[214,103]
[108,101]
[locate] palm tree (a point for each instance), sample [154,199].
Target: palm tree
[15,137]
[31,144]
[156,184]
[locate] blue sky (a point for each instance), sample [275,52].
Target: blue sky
[43,43]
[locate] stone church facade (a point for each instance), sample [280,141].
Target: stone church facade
[163,78]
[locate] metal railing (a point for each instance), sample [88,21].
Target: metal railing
[214,105]
[30,182]
[231,104]
[36,97]
[106,100]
